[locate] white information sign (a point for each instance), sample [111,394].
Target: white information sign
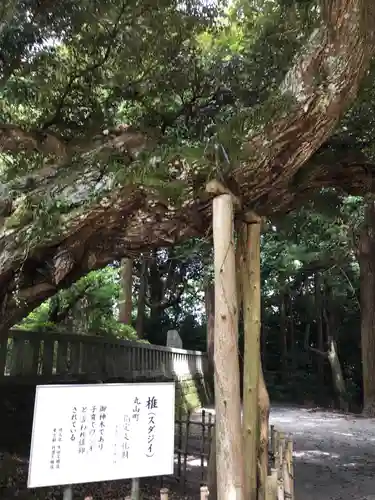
[101,432]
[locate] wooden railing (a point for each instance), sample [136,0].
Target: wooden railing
[34,354]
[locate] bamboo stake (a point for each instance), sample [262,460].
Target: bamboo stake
[164,494]
[280,490]
[271,487]
[275,451]
[272,439]
[204,493]
[286,481]
[291,467]
[281,452]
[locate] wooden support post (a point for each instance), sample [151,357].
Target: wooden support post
[229,446]
[250,249]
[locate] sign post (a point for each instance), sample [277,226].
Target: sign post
[101,432]
[68,493]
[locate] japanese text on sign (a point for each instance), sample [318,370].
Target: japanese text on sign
[84,433]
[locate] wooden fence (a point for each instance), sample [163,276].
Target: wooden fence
[48,355]
[193,435]
[280,481]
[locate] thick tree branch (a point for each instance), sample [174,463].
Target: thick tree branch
[324,354]
[321,84]
[107,216]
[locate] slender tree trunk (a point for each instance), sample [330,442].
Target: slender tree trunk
[251,309]
[263,415]
[292,335]
[126,303]
[319,323]
[229,456]
[337,375]
[284,337]
[334,362]
[141,306]
[366,257]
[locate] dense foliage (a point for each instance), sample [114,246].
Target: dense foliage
[115,114]
[295,250]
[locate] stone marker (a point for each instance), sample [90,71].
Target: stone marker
[174,339]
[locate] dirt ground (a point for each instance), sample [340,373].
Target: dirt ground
[334,454]
[334,457]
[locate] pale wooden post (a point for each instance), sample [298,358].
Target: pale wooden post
[229,443]
[290,466]
[204,493]
[271,487]
[164,494]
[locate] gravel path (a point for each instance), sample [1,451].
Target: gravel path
[334,453]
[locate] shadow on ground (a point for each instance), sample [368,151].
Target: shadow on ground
[334,454]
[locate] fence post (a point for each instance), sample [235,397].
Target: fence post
[204,492]
[164,494]
[135,489]
[271,487]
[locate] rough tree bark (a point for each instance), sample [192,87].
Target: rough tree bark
[229,449]
[256,404]
[109,216]
[250,244]
[366,257]
[126,292]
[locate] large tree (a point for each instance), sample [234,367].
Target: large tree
[79,188]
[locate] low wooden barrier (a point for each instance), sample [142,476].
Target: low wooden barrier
[280,481]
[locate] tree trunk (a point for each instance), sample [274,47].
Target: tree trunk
[126,302]
[36,260]
[293,350]
[229,454]
[366,257]
[263,415]
[141,305]
[337,375]
[319,323]
[283,337]
[334,362]
[211,469]
[251,309]
[210,318]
